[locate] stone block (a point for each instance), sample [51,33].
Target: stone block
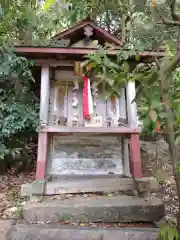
[34,188]
[96,209]
[5,226]
[41,232]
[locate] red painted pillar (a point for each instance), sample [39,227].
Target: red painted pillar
[135,156]
[42,137]
[41,156]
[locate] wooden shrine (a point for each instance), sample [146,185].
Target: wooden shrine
[69,144]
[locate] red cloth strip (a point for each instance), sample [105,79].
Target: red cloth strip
[86,114]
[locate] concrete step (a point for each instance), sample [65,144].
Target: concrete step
[89,184]
[74,177]
[36,232]
[95,209]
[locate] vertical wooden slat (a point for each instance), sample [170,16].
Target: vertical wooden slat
[122,104]
[131,106]
[69,106]
[66,101]
[44,110]
[80,99]
[44,98]
[51,106]
[101,106]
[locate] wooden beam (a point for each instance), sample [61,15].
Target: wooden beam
[52,62]
[91,130]
[79,51]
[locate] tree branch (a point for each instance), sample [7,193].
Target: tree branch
[174,15]
[169,22]
[173,64]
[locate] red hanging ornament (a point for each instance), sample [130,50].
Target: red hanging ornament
[87,99]
[158,126]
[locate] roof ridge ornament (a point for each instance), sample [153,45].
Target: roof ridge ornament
[88,31]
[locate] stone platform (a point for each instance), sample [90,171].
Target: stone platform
[88,184]
[96,209]
[5,226]
[41,232]
[42,220]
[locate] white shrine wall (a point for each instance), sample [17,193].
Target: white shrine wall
[89,154]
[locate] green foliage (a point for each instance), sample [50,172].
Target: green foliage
[175,99]
[113,74]
[168,232]
[24,22]
[18,106]
[109,74]
[47,4]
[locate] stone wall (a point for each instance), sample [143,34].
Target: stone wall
[85,155]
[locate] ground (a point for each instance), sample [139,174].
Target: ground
[155,162]
[10,185]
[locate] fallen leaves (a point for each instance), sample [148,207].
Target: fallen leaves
[10,193]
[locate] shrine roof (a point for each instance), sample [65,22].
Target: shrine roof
[74,51]
[76,33]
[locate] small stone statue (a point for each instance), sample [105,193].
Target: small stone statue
[62,120]
[109,122]
[122,122]
[74,99]
[76,86]
[43,123]
[75,120]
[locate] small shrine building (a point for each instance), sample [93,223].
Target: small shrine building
[81,133]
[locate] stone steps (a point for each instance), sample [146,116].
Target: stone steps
[95,209]
[88,184]
[54,232]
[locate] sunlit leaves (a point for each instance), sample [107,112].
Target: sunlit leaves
[47,4]
[168,232]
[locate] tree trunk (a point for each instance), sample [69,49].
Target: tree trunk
[177,177]
[165,86]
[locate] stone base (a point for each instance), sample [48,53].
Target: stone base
[96,209]
[5,226]
[41,232]
[88,184]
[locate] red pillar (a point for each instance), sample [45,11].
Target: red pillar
[135,156]
[41,156]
